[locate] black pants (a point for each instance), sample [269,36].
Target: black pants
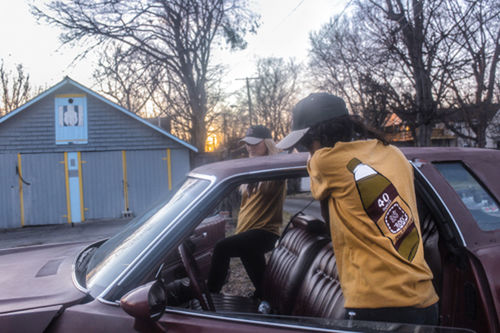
[407,315]
[250,246]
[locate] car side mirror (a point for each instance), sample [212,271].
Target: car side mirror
[146,303]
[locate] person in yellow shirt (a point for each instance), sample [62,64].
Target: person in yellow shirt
[259,220]
[367,194]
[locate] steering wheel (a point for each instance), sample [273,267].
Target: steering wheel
[193,271]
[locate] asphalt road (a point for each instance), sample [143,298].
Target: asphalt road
[60,233]
[101,229]
[306,205]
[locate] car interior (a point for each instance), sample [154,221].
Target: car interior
[301,277]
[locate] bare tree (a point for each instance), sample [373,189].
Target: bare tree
[403,53]
[15,88]
[477,37]
[343,62]
[273,92]
[232,124]
[177,35]
[170,99]
[409,32]
[129,82]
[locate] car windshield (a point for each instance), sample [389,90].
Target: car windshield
[482,205]
[116,254]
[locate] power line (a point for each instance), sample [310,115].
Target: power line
[289,14]
[345,8]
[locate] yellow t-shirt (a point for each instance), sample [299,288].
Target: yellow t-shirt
[374,224]
[262,208]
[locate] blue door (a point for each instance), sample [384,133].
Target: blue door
[74,183]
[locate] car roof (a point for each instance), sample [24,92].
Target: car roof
[482,161]
[447,153]
[234,167]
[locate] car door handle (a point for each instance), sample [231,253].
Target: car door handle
[196,238]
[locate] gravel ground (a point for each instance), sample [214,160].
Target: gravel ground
[239,283]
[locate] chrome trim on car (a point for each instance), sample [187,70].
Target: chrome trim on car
[203,176]
[442,203]
[125,273]
[73,272]
[75,282]
[255,322]
[104,301]
[295,168]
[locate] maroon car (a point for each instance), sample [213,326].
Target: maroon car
[151,276]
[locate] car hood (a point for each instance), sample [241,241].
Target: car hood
[38,276]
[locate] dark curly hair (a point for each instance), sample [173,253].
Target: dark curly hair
[344,128]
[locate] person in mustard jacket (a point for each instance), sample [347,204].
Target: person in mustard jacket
[259,220]
[367,194]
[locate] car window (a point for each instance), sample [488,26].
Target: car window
[119,251]
[482,205]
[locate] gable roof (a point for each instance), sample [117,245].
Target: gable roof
[68,80]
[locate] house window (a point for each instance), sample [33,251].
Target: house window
[71,119]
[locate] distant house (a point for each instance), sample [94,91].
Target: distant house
[71,155]
[399,133]
[492,132]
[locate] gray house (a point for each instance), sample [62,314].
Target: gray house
[70,155]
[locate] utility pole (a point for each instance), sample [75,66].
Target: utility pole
[247,79]
[249,103]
